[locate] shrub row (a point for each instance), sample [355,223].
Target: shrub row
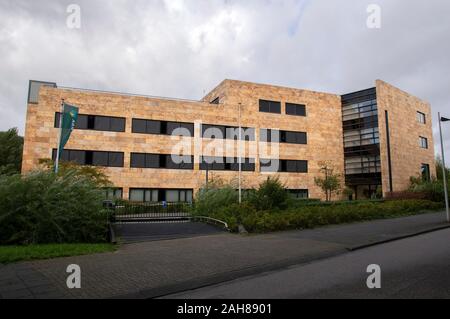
[319,215]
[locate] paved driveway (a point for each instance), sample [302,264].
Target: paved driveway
[141,232]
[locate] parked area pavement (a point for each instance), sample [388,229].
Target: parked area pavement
[157,268]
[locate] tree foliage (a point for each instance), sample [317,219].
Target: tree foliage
[42,207]
[432,189]
[331,182]
[271,194]
[96,174]
[11,148]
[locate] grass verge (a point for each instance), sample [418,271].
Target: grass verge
[11,254]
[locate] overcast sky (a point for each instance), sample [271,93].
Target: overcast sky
[183,49]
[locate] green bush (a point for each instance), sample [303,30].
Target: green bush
[271,194]
[42,207]
[433,190]
[211,200]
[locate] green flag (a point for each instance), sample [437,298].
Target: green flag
[68,122]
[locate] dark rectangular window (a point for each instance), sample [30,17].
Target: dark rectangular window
[162,127]
[140,160]
[181,129]
[269,106]
[299,193]
[82,122]
[155,127]
[115,159]
[295,109]
[102,123]
[139,126]
[423,142]
[274,136]
[117,124]
[227,132]
[100,159]
[284,166]
[92,158]
[96,123]
[113,193]
[425,171]
[226,164]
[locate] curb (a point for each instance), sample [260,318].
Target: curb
[385,241]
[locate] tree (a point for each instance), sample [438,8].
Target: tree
[271,194]
[331,182]
[439,165]
[11,147]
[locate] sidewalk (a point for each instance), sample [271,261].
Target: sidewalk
[157,268]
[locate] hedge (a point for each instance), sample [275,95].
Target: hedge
[311,216]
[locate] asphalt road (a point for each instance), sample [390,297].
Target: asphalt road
[417,267]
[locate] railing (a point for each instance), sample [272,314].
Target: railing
[151,211]
[209,220]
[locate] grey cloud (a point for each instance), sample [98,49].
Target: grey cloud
[183,48]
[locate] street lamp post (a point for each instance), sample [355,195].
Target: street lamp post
[239,156]
[444,170]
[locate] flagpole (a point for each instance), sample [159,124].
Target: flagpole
[61,114]
[444,170]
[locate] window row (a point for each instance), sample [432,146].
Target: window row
[144,195]
[227,164]
[96,123]
[141,160]
[276,136]
[92,158]
[159,161]
[161,195]
[113,124]
[275,107]
[162,127]
[150,195]
[283,166]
